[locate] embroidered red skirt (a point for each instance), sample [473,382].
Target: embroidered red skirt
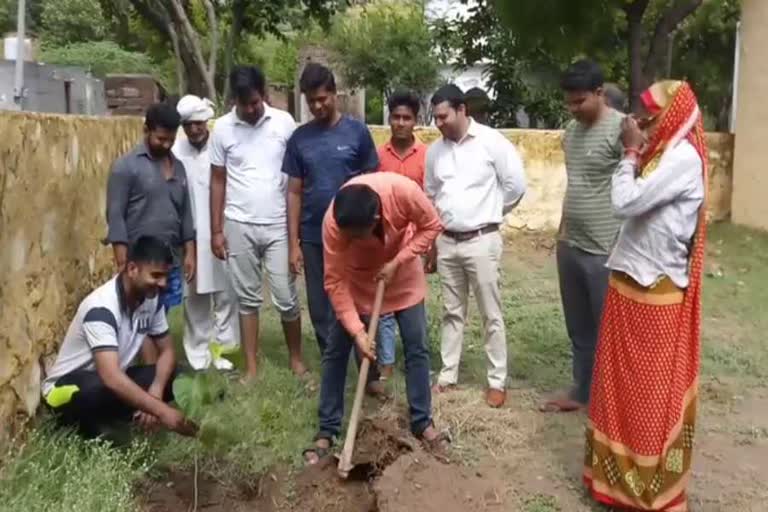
[643,401]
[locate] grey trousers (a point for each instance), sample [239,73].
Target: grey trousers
[583,285]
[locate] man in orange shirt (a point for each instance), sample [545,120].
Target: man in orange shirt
[366,238]
[403,154]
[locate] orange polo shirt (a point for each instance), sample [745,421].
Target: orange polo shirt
[411,165]
[351,265]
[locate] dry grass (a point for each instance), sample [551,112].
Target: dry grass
[477,427]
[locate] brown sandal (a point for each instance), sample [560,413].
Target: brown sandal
[437,447]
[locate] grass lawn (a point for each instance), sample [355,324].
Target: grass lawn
[533,460]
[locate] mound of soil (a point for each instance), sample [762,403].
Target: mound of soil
[392,473]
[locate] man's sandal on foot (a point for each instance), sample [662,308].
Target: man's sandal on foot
[561,405]
[438,447]
[320,452]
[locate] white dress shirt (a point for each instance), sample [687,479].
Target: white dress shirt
[475,181]
[210,273]
[253,157]
[660,215]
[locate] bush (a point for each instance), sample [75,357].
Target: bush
[100,57]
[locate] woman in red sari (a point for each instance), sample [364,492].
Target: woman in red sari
[642,411]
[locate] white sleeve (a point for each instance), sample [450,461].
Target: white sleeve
[217,152]
[678,173]
[100,329]
[430,182]
[509,171]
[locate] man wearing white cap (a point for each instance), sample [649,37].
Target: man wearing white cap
[210,308]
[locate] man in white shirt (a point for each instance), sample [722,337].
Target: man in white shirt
[210,309]
[93,382]
[474,176]
[248,189]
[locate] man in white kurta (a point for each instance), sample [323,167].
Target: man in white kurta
[210,308]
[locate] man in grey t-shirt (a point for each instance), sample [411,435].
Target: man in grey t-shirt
[147,195]
[588,227]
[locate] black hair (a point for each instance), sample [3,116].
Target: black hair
[316,76]
[162,115]
[450,93]
[148,249]
[584,75]
[402,98]
[615,97]
[356,207]
[244,80]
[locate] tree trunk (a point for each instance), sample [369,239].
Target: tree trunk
[180,76]
[659,46]
[635,12]
[214,49]
[233,39]
[193,46]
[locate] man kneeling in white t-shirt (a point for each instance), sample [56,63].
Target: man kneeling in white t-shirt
[93,382]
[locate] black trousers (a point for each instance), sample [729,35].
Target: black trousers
[94,405]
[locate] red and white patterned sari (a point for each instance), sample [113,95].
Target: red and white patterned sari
[642,411]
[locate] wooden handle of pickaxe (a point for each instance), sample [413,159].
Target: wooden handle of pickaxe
[345,461]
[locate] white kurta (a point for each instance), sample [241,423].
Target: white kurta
[210,306]
[211,274]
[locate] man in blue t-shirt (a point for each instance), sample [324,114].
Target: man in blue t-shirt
[320,157]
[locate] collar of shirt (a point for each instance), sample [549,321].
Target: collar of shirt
[263,119]
[411,151]
[472,131]
[143,150]
[184,148]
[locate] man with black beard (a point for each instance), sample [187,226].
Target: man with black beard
[147,195]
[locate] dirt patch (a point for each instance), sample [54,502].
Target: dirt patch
[416,481]
[176,493]
[392,473]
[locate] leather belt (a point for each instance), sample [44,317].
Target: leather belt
[463,236]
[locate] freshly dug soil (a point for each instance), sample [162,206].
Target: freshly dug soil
[176,493]
[392,473]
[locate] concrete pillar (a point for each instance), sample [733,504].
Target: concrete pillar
[750,172]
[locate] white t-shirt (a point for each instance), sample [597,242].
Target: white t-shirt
[253,157]
[102,322]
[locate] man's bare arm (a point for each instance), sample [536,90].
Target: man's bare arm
[218,194]
[295,191]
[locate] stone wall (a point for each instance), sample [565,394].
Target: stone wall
[52,210]
[130,95]
[52,207]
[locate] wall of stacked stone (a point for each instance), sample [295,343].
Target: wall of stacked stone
[52,220]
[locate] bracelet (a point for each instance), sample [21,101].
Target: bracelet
[632,151]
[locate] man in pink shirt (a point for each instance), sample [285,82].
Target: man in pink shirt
[366,239]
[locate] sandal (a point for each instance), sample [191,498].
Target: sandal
[561,405]
[321,452]
[437,446]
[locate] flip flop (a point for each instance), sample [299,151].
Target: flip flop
[561,405]
[321,452]
[437,446]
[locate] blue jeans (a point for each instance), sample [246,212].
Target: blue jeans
[385,339]
[320,311]
[413,331]
[172,294]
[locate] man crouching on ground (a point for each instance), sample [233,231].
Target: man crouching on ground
[92,383]
[366,239]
